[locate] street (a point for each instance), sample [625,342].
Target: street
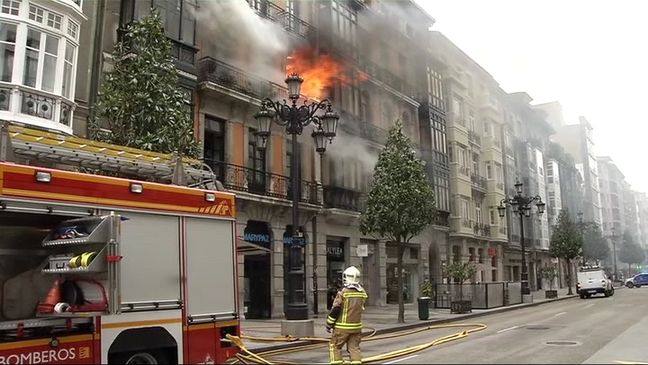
[593,331]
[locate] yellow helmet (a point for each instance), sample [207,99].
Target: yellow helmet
[351,275]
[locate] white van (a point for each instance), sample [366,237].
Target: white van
[592,281]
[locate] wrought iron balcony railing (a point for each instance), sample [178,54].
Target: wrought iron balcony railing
[233,78]
[481,229]
[479,181]
[442,219]
[342,198]
[258,182]
[474,137]
[267,9]
[380,74]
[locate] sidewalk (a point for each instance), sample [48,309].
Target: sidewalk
[381,319]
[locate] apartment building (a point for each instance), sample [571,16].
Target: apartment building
[578,141]
[532,130]
[474,122]
[613,205]
[41,45]
[378,88]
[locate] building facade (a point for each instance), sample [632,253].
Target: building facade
[39,64]
[474,119]
[532,131]
[578,141]
[613,205]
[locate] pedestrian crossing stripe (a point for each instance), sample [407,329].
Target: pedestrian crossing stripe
[629,362]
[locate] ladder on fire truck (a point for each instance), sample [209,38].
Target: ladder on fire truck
[18,141]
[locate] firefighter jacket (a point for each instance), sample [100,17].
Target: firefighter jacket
[346,313]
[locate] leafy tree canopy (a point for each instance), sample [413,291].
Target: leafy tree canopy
[461,271]
[566,240]
[401,201]
[630,251]
[141,104]
[595,246]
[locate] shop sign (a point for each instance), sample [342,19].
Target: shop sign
[257,232]
[335,250]
[288,238]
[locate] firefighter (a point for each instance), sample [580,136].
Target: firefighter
[345,318]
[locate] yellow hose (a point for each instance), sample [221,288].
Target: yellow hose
[247,357]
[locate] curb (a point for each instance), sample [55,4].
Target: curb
[411,326]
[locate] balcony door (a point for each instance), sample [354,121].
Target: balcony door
[215,147]
[256,173]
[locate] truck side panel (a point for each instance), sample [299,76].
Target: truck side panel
[150,269]
[211,289]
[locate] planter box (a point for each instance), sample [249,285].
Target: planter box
[461,306]
[551,294]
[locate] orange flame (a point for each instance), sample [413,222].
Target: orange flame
[320,73]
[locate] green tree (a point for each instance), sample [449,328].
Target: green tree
[461,272]
[140,104]
[630,251]
[566,243]
[400,203]
[595,246]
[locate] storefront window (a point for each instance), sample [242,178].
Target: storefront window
[392,284]
[335,265]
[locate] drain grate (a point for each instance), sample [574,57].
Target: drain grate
[562,343]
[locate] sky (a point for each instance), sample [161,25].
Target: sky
[591,56]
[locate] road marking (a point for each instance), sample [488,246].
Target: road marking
[507,329]
[399,360]
[589,305]
[629,362]
[559,314]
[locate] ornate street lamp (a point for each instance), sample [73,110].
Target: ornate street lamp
[294,118]
[521,204]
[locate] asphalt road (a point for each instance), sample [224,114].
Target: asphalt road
[575,331]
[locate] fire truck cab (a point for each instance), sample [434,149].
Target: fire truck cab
[102,270]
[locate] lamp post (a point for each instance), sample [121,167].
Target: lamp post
[521,204]
[294,118]
[581,225]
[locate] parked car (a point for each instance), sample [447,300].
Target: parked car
[637,281]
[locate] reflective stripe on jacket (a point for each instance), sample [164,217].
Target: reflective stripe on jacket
[351,303]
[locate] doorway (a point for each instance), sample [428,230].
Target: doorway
[257,286]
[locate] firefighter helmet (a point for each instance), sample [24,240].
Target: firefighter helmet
[351,275]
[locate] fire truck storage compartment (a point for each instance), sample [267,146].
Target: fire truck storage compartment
[150,270]
[210,263]
[24,278]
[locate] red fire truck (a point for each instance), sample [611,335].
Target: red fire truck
[102,270]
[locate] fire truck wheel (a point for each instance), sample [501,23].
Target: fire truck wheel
[150,357]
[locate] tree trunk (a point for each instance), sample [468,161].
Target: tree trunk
[401,283]
[569,277]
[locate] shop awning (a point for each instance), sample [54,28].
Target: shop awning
[249,248]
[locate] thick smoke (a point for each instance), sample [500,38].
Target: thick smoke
[231,31]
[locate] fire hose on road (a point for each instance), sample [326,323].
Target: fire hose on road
[247,357]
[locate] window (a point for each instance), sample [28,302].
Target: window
[491,217]
[345,24]
[480,255]
[256,158]
[478,213]
[32,53]
[489,171]
[7,47]
[73,29]
[11,7]
[465,214]
[498,173]
[68,70]
[48,18]
[215,146]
